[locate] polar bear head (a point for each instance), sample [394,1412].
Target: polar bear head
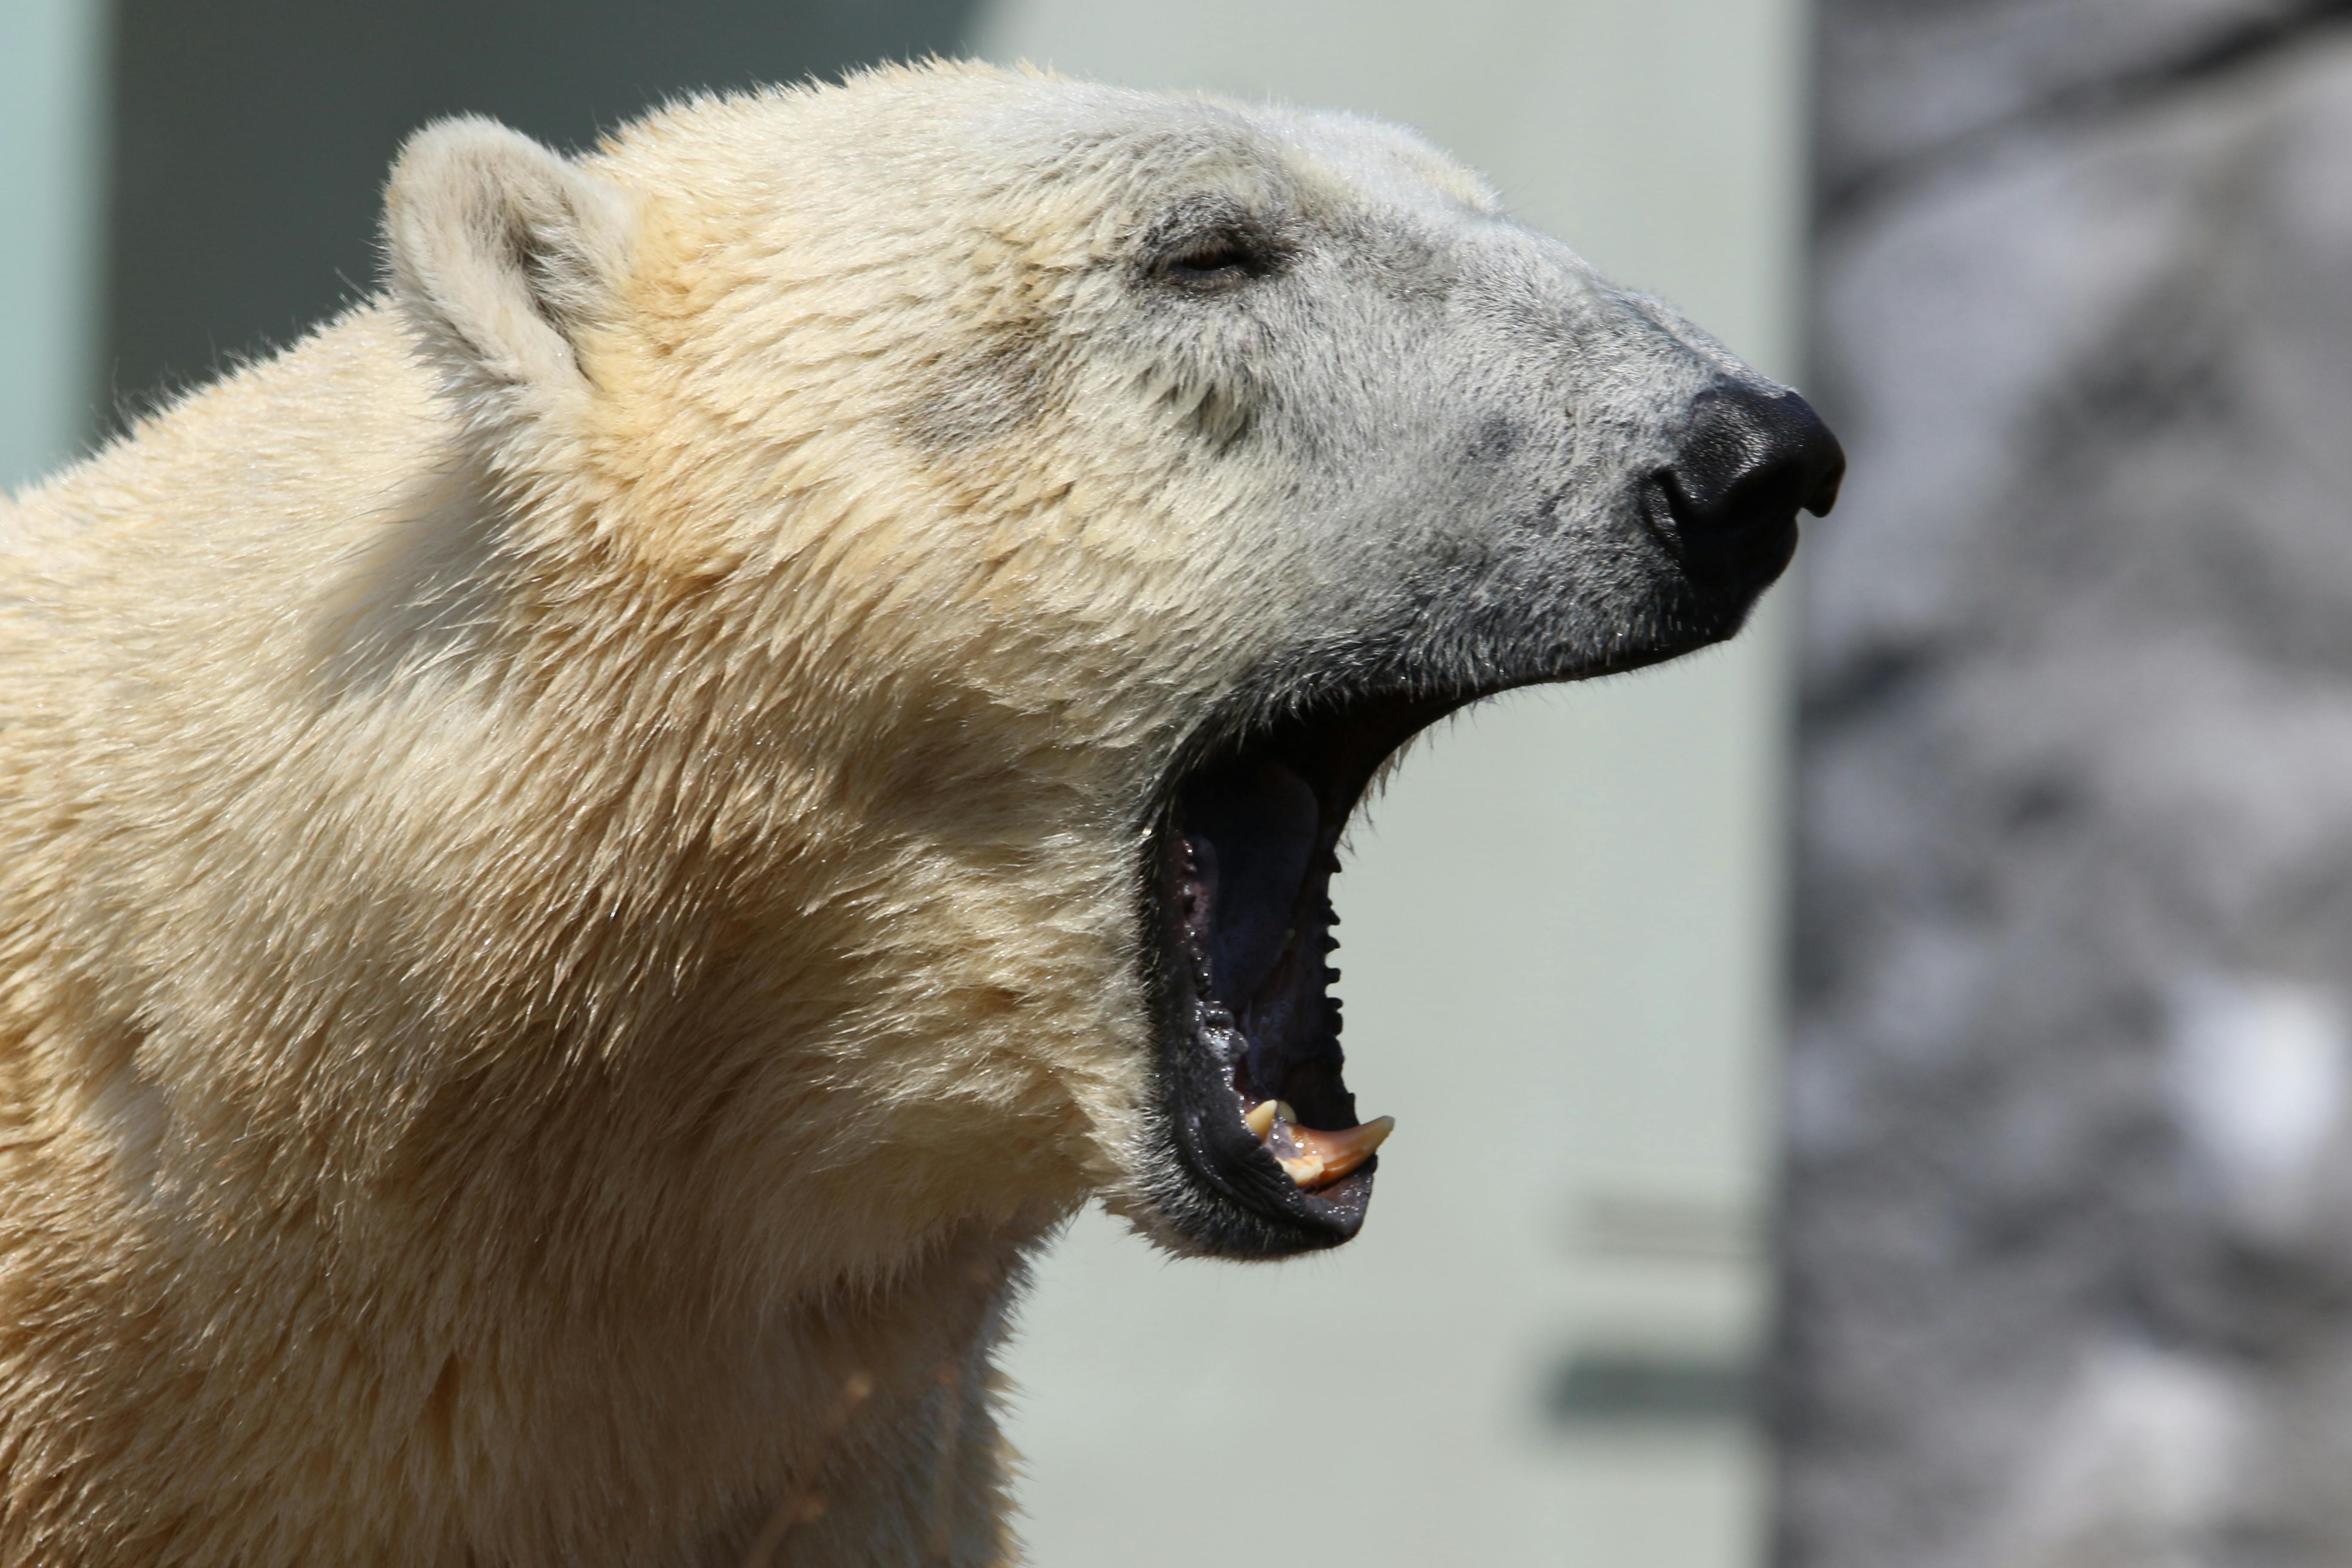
[1015,520]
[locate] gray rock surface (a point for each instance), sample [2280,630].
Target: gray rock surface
[1904,80]
[2068,1221]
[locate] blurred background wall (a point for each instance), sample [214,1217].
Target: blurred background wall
[2069,1220]
[251,136]
[53,124]
[1564,938]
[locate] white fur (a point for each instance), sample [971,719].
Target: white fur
[568,847]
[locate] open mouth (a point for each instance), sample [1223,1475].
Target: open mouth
[1261,1152]
[1261,1114]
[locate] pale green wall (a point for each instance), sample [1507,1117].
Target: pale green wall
[1561,961]
[50,159]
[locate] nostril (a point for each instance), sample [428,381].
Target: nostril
[1746,465]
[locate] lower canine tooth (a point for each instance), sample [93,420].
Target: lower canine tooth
[1259,1118]
[1327,1156]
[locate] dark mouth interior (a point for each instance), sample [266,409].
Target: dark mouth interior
[1252,907]
[1246,863]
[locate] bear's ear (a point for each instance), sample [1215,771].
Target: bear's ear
[501,253]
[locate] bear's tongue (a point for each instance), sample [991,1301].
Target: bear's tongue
[1254,919]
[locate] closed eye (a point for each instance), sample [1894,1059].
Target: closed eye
[1216,262]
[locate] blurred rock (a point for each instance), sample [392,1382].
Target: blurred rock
[1907,80]
[2068,1228]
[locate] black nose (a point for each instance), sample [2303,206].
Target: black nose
[1747,463]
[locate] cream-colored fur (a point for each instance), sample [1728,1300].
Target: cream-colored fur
[568,847]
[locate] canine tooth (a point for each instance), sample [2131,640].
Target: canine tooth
[1259,1118]
[1329,1156]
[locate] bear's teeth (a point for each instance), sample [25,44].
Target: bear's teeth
[1327,1156]
[1260,1118]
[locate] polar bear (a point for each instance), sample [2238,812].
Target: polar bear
[591,857]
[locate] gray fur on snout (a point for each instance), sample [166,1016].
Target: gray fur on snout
[1467,412]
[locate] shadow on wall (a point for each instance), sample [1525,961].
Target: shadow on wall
[251,137]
